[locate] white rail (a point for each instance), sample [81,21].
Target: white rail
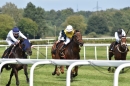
[72,63]
[84,49]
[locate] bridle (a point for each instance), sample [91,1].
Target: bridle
[123,45]
[77,39]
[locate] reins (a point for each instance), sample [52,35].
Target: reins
[39,52]
[120,50]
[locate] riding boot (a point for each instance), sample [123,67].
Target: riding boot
[8,51]
[113,46]
[61,51]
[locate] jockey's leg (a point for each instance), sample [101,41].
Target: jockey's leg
[9,50]
[62,49]
[115,43]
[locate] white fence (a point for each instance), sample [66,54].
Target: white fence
[84,49]
[72,63]
[49,41]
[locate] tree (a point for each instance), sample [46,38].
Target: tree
[30,11]
[77,21]
[12,10]
[37,15]
[28,27]
[97,24]
[6,24]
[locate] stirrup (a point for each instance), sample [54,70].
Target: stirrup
[62,54]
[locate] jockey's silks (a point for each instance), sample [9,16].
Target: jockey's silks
[70,34]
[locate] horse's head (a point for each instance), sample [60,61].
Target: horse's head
[123,42]
[26,46]
[78,38]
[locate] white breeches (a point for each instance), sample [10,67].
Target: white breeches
[9,42]
[67,41]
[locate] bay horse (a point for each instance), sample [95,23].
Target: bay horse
[21,51]
[119,51]
[71,52]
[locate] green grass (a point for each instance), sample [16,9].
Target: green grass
[87,76]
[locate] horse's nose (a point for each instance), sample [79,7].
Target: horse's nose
[81,44]
[30,52]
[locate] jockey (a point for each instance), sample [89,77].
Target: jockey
[118,36]
[12,38]
[65,36]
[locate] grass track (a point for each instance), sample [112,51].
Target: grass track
[88,75]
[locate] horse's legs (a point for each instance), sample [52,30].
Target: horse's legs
[62,69]
[75,71]
[26,73]
[11,74]
[54,70]
[16,76]
[110,56]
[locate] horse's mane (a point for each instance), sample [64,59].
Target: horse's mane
[25,42]
[77,31]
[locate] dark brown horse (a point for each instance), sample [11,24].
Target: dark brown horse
[71,53]
[119,51]
[21,50]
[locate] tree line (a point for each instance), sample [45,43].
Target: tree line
[37,23]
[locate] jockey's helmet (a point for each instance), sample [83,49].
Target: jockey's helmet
[15,31]
[119,31]
[69,28]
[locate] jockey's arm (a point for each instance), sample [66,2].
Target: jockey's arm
[60,37]
[123,33]
[21,35]
[12,36]
[117,37]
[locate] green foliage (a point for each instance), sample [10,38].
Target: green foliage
[30,11]
[12,10]
[27,26]
[37,15]
[101,22]
[77,21]
[6,24]
[97,24]
[92,35]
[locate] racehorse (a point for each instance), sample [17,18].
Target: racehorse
[21,50]
[71,52]
[119,51]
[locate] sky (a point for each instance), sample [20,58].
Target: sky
[76,5]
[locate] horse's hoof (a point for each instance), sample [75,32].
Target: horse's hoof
[27,80]
[62,72]
[113,70]
[7,85]
[53,73]
[74,75]
[58,74]
[108,69]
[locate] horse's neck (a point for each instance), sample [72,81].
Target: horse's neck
[73,45]
[18,52]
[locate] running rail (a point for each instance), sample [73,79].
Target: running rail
[116,74]
[114,63]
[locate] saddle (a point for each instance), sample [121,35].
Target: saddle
[61,48]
